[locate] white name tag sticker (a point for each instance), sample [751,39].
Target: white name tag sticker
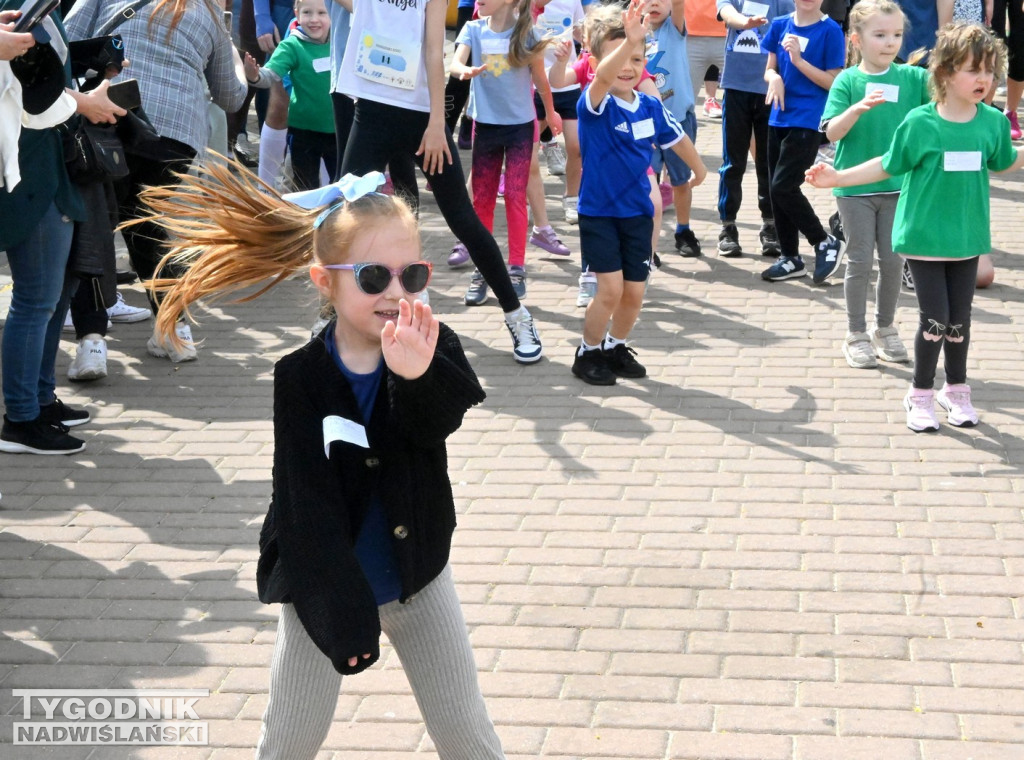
[643,129]
[339,429]
[390,62]
[494,47]
[891,92]
[802,40]
[751,8]
[320,65]
[962,160]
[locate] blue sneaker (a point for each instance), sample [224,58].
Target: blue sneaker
[786,268]
[828,256]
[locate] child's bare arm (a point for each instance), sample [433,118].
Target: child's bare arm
[678,17]
[540,81]
[1017,164]
[776,87]
[459,68]
[822,78]
[560,75]
[687,151]
[823,175]
[609,67]
[648,87]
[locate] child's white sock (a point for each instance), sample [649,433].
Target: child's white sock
[273,144]
[584,347]
[610,342]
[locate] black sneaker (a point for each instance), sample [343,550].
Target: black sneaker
[592,368]
[828,257]
[59,413]
[126,277]
[620,360]
[729,241]
[37,437]
[687,244]
[769,239]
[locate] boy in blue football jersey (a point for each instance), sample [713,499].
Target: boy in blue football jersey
[618,128]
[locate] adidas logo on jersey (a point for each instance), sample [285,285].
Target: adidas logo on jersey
[623,127]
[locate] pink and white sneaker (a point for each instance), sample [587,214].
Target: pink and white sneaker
[920,406]
[956,400]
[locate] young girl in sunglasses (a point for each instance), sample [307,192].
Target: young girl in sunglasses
[358,533]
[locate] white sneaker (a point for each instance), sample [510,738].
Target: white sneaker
[588,289]
[956,400]
[920,406]
[90,361]
[858,351]
[888,345]
[554,157]
[124,314]
[569,206]
[160,347]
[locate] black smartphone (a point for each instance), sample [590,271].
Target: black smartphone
[125,94]
[32,12]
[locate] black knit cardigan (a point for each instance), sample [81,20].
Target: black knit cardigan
[319,502]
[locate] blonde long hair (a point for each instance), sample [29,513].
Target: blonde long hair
[229,232]
[520,52]
[176,10]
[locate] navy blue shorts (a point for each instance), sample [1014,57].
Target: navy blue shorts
[564,103]
[612,244]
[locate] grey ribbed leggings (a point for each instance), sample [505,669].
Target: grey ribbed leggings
[429,635]
[868,220]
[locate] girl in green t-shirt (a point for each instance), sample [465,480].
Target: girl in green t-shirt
[944,152]
[865,106]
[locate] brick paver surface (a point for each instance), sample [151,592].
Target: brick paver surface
[744,556]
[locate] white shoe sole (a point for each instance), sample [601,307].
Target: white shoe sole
[128,319]
[178,357]
[9,447]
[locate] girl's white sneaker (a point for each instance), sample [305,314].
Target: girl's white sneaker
[920,406]
[956,400]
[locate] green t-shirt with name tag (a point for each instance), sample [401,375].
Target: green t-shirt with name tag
[943,210]
[904,87]
[309,66]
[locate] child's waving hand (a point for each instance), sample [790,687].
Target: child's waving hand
[409,342]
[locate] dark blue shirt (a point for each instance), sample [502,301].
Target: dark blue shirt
[373,544]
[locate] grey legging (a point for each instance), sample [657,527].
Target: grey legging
[867,220]
[429,635]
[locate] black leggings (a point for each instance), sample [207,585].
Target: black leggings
[1014,35]
[165,159]
[791,152]
[945,290]
[456,91]
[309,148]
[382,135]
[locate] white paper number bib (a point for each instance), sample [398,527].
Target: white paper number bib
[961,161]
[387,61]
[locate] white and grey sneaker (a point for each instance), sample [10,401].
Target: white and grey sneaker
[888,346]
[90,361]
[161,347]
[858,351]
[554,157]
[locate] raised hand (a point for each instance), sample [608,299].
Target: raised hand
[872,99]
[408,344]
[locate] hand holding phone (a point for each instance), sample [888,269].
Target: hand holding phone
[33,12]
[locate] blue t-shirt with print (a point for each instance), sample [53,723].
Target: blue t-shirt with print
[745,61]
[823,46]
[501,94]
[617,141]
[669,64]
[373,546]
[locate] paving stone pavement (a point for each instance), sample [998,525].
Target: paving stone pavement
[745,556]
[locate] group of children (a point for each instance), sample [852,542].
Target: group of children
[357,537]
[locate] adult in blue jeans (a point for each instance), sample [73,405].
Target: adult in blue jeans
[36,224]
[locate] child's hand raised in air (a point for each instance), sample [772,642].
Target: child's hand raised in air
[633,21]
[821,175]
[562,50]
[408,343]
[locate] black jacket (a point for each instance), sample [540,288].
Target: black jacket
[318,503]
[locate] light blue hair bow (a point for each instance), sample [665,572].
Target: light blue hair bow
[347,189]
